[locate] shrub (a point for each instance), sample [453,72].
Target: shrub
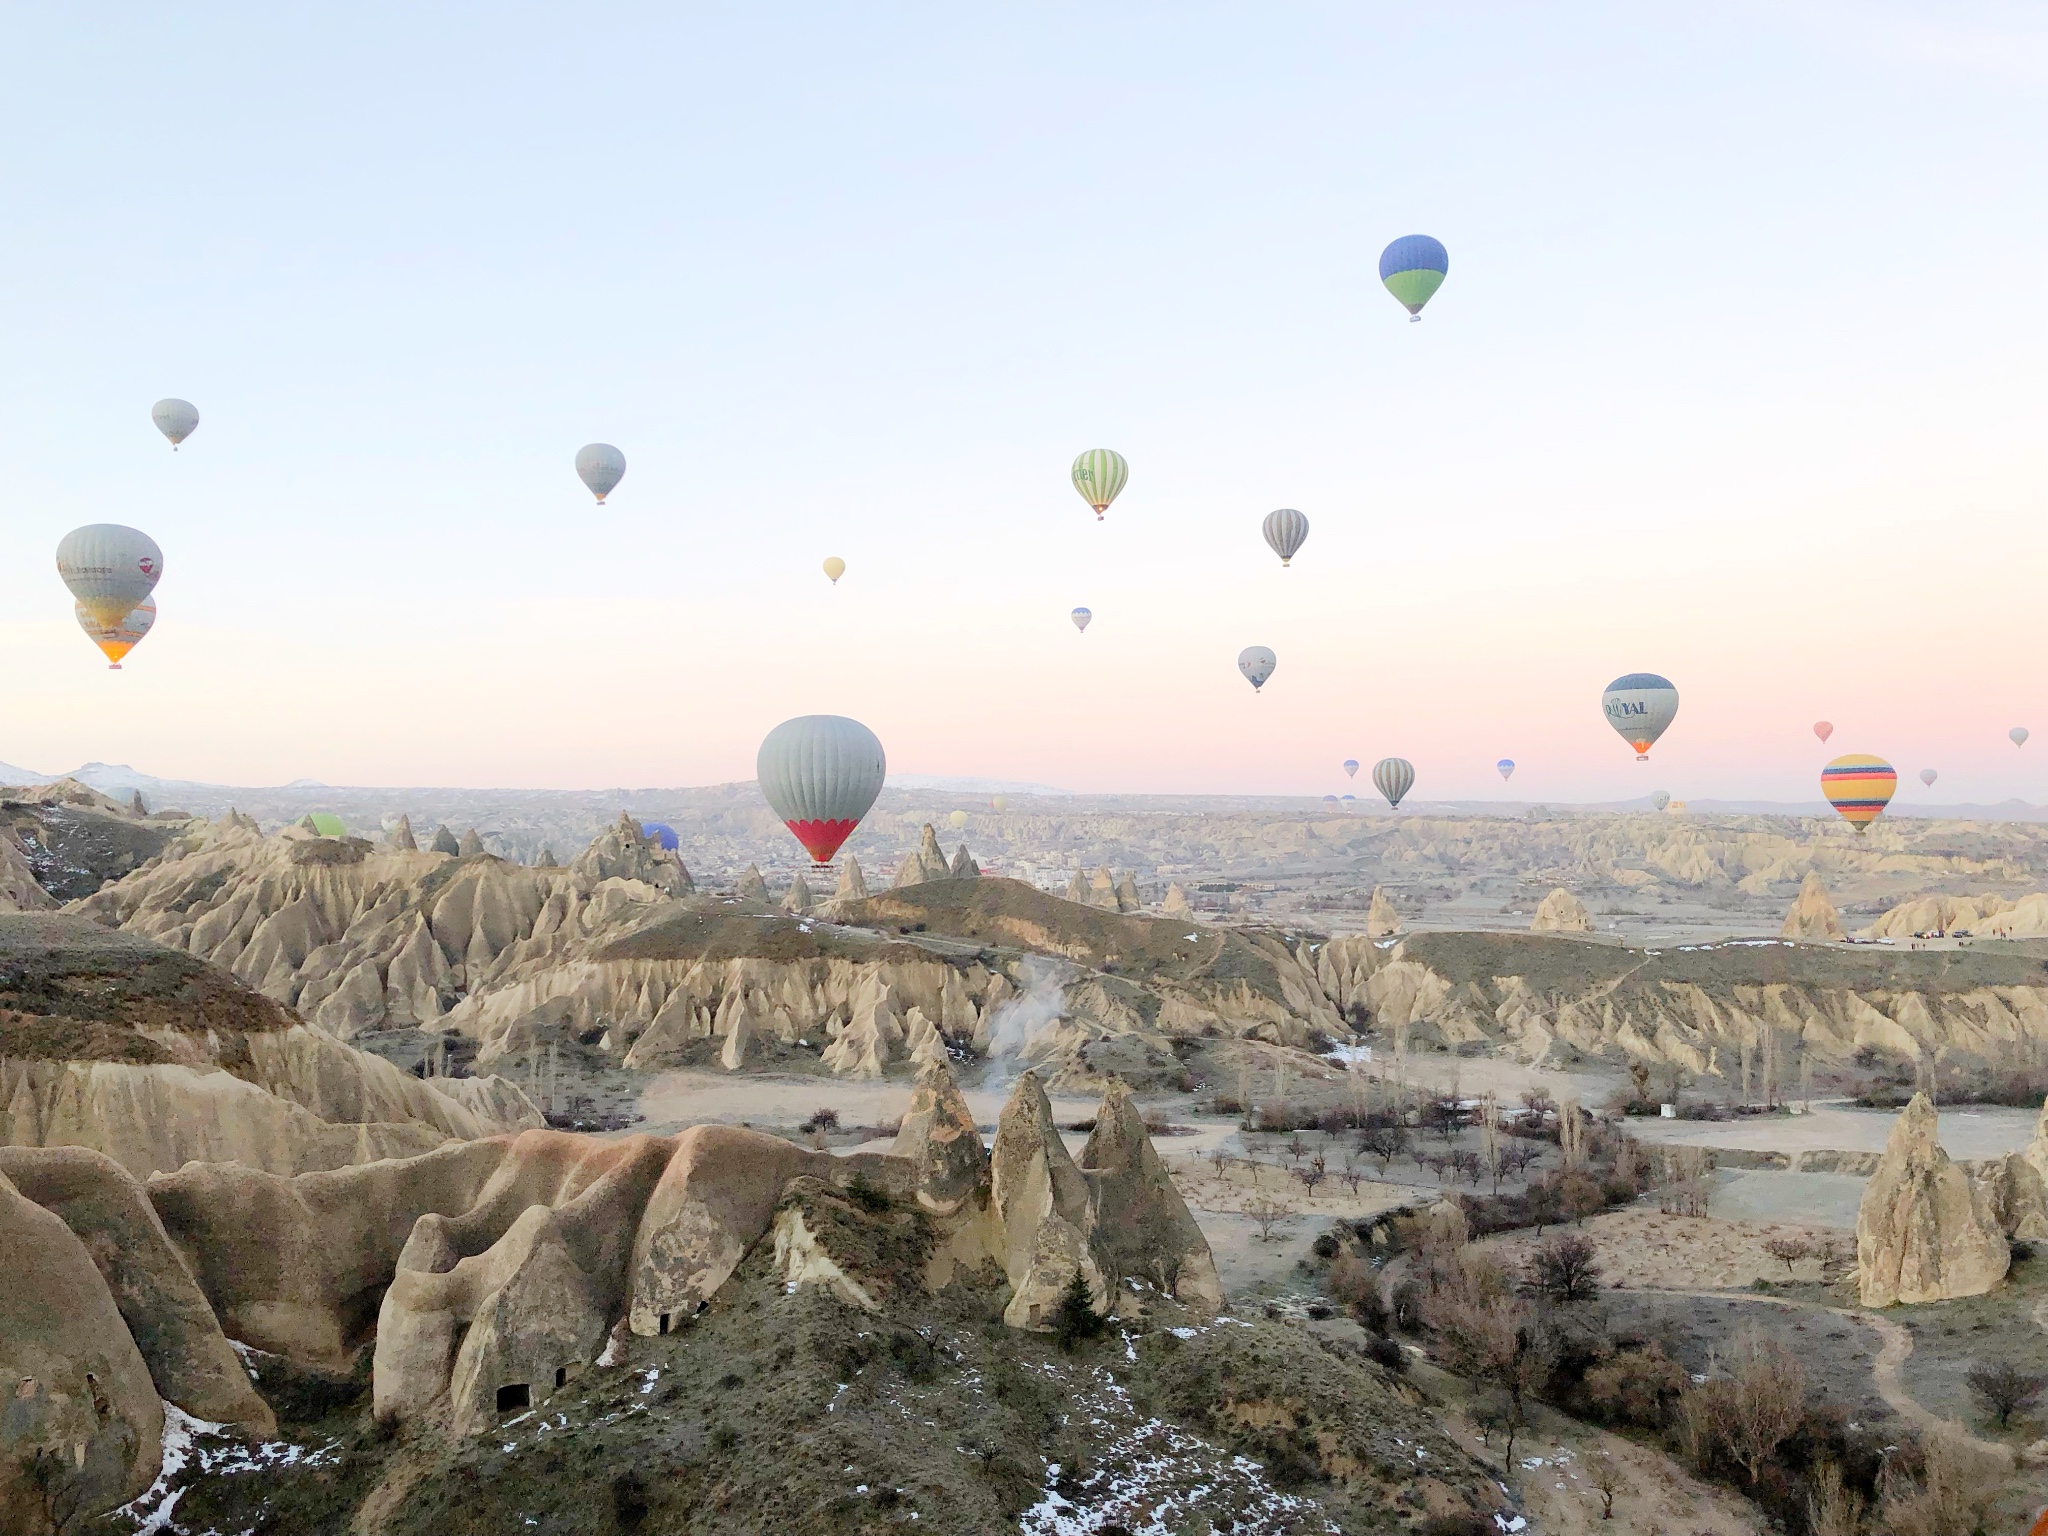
[1636,1387]
[1076,1319]
[1325,1245]
[866,1194]
[2003,1389]
[821,1120]
[1565,1269]
[629,1500]
[1382,1350]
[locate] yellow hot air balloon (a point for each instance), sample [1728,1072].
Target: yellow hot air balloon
[117,640]
[835,568]
[957,820]
[1859,787]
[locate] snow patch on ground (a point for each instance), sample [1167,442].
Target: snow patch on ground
[209,1450]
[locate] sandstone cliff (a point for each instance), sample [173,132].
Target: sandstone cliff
[1813,916]
[1919,1233]
[1561,912]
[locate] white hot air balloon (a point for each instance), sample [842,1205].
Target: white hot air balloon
[118,641]
[109,569]
[2019,734]
[1928,776]
[1393,777]
[1350,767]
[1505,768]
[1285,531]
[1082,618]
[1640,707]
[820,774]
[601,467]
[1660,799]
[1256,662]
[175,418]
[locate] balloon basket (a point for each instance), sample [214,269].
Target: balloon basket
[1415,319]
[113,666]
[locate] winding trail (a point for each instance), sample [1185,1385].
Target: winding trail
[1895,1345]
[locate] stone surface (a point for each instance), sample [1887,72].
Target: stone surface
[624,852]
[1561,912]
[853,885]
[1142,1228]
[1919,1234]
[80,1424]
[939,1139]
[1043,1206]
[1813,916]
[1381,920]
[752,887]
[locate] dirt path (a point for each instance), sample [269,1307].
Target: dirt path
[1895,1344]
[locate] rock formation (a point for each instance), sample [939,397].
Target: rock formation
[547,859]
[444,842]
[1561,912]
[925,865]
[1041,1202]
[470,844]
[752,887]
[82,1431]
[1984,917]
[400,836]
[853,885]
[798,898]
[624,852]
[1077,889]
[19,889]
[1381,920]
[1813,916]
[1919,1235]
[963,866]
[1176,904]
[1142,1228]
[939,1139]
[1127,898]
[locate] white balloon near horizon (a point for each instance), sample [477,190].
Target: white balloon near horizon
[834,567]
[1082,618]
[820,774]
[1350,767]
[1505,768]
[1393,777]
[1661,799]
[1285,531]
[176,419]
[2019,734]
[600,467]
[1928,776]
[1256,662]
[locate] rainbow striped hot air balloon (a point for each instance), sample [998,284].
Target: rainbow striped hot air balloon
[1859,787]
[1413,268]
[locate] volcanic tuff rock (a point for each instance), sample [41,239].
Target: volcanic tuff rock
[444,842]
[19,891]
[1142,1227]
[1813,915]
[401,838]
[853,885]
[82,1427]
[1986,917]
[112,1042]
[752,887]
[1561,912]
[939,1139]
[1041,1202]
[798,898]
[469,845]
[928,863]
[624,852]
[1381,920]
[1176,904]
[1919,1235]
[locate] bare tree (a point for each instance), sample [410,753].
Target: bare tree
[1949,1499]
[1564,1269]
[2003,1389]
[1832,1508]
[1296,1146]
[1311,1176]
[1788,1250]
[1489,1138]
[1571,1135]
[1268,1213]
[1767,1400]
[1385,1142]
[1607,1481]
[1354,1177]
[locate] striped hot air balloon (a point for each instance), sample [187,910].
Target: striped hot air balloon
[1099,475]
[1413,268]
[1285,532]
[1859,787]
[1505,768]
[820,774]
[1393,777]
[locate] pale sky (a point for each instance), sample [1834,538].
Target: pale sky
[1737,377]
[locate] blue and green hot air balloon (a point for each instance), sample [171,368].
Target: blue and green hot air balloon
[1413,268]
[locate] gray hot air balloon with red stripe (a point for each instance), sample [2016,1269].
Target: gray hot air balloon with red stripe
[820,774]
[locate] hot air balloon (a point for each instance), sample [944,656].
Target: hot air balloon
[1256,663]
[1640,707]
[1413,268]
[1329,799]
[957,820]
[2019,735]
[834,567]
[820,773]
[1822,729]
[1346,799]
[999,803]
[1506,768]
[1660,799]
[1098,475]
[1393,777]
[175,418]
[1351,767]
[122,638]
[601,467]
[325,824]
[1859,787]
[1286,531]
[1081,618]
[662,833]
[109,569]
[1928,776]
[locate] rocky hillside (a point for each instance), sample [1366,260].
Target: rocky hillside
[112,1042]
[62,840]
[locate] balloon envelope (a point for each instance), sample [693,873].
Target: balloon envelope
[1822,729]
[835,568]
[1285,530]
[999,803]
[1660,799]
[662,833]
[1256,662]
[1859,787]
[1393,777]
[1081,617]
[1351,767]
[820,774]
[117,641]
[175,418]
[601,467]
[957,820]
[1928,776]
[1506,768]
[2019,735]
[1640,707]
[1413,268]
[1099,475]
[327,824]
[110,569]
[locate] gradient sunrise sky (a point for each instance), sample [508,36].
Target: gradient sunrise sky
[1737,377]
